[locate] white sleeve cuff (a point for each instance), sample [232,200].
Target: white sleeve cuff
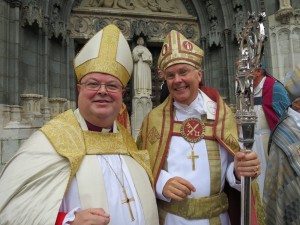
[70,217]
[233,182]
[164,176]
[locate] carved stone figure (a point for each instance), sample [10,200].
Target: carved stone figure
[153,5]
[78,25]
[141,5]
[169,6]
[142,59]
[213,25]
[124,4]
[285,4]
[237,4]
[239,20]
[211,10]
[97,3]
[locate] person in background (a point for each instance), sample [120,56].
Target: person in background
[83,167]
[193,145]
[282,183]
[164,93]
[270,101]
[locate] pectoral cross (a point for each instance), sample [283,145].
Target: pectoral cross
[193,157]
[127,201]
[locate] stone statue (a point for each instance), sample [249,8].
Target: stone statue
[211,10]
[142,59]
[239,18]
[285,4]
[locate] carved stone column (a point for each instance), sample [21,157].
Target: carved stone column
[15,113]
[45,109]
[229,66]
[14,51]
[32,108]
[57,106]
[285,11]
[141,106]
[16,118]
[5,115]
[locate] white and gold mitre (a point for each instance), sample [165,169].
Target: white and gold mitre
[178,49]
[106,52]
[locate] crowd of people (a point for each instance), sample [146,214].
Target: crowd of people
[84,167]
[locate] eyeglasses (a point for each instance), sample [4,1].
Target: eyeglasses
[95,86]
[181,73]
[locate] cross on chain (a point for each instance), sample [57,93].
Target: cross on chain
[127,201]
[193,157]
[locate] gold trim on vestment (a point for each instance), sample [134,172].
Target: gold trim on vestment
[65,135]
[197,208]
[161,121]
[104,143]
[104,66]
[71,142]
[214,160]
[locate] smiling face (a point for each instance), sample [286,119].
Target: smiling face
[100,108]
[183,82]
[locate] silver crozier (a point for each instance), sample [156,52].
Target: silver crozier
[251,42]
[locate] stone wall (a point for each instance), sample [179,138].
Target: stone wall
[38,41]
[17,122]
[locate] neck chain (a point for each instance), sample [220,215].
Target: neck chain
[192,156]
[127,200]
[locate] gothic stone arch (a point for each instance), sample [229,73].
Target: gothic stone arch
[88,18]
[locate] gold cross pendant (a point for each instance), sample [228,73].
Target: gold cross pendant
[127,201]
[193,157]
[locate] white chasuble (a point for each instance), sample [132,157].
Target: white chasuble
[98,184]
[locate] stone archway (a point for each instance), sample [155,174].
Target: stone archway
[152,20]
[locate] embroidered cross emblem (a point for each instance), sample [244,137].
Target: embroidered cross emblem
[192,130]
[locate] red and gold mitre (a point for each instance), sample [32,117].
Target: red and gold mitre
[106,52]
[178,49]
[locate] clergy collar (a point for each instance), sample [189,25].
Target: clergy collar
[195,106]
[92,127]
[258,89]
[84,125]
[201,105]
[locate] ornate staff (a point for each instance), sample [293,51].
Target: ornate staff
[251,41]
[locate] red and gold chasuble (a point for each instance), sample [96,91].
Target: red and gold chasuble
[157,130]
